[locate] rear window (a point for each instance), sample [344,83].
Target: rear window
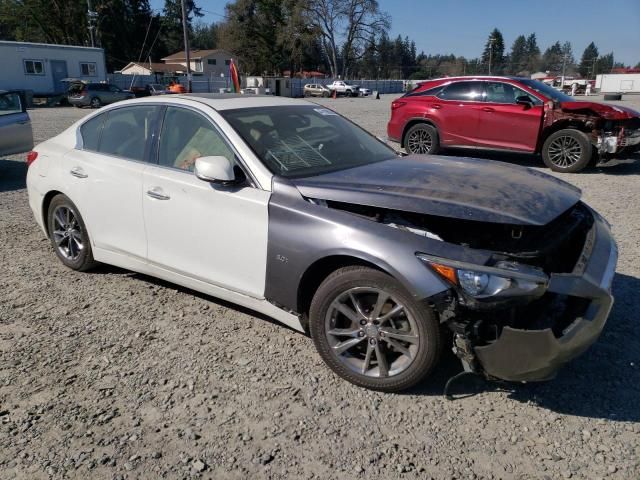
[126,131]
[90,132]
[463,91]
[432,92]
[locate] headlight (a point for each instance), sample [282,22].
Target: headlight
[504,280]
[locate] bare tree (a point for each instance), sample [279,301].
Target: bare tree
[355,21]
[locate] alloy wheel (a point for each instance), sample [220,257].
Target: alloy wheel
[371,332]
[564,151]
[420,141]
[67,233]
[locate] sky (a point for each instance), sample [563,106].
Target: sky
[461,27]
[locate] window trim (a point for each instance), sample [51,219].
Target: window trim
[41,62]
[155,148]
[95,69]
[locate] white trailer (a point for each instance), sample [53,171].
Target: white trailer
[618,83]
[40,67]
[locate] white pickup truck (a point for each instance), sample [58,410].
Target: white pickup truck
[342,88]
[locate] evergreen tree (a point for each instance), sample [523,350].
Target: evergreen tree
[552,59]
[604,64]
[172,37]
[588,60]
[494,53]
[533,54]
[518,57]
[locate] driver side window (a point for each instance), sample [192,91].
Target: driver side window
[187,136]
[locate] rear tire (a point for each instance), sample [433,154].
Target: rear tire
[69,235]
[567,151]
[358,335]
[421,139]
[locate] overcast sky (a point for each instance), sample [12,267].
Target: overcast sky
[461,27]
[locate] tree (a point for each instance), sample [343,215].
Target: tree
[518,56]
[552,59]
[204,37]
[533,54]
[493,54]
[604,64]
[172,31]
[588,60]
[354,21]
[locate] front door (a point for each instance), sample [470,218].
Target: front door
[58,72]
[15,126]
[507,124]
[214,234]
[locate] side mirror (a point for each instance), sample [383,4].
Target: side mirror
[524,100]
[216,169]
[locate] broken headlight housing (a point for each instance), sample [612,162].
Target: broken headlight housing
[503,281]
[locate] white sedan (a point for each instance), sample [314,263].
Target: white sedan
[287,208]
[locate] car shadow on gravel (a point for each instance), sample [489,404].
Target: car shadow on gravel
[603,383]
[623,165]
[13,175]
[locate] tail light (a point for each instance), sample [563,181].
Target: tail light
[397,104]
[84,92]
[31,157]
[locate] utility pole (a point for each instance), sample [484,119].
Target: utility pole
[491,40]
[185,32]
[91,17]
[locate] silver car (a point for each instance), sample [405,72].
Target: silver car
[16,135]
[95,95]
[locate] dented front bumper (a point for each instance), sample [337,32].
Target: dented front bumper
[534,355]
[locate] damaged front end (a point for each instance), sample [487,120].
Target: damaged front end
[540,300]
[612,129]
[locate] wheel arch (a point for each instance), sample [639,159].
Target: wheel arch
[415,121]
[315,274]
[46,201]
[572,124]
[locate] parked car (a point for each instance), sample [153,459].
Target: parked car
[510,113]
[291,210]
[343,88]
[95,95]
[364,92]
[316,90]
[16,135]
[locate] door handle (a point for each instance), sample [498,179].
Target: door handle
[437,106]
[156,192]
[23,122]
[78,172]
[488,109]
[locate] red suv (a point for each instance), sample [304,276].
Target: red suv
[509,113]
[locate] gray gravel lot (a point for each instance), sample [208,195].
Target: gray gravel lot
[111,374]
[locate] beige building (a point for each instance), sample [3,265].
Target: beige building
[209,63]
[139,68]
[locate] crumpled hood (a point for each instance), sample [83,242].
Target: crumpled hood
[464,188]
[610,112]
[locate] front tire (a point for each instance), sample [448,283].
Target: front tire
[68,234]
[371,332]
[95,103]
[422,139]
[567,151]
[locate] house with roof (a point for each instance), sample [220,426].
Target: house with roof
[209,63]
[149,68]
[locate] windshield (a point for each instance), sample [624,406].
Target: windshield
[546,90]
[300,141]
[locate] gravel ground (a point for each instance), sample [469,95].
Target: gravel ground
[111,374]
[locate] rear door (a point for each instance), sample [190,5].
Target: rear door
[507,124]
[16,135]
[105,177]
[457,108]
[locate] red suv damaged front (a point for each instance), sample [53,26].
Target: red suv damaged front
[508,113]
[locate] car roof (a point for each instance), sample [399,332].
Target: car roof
[476,77]
[228,101]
